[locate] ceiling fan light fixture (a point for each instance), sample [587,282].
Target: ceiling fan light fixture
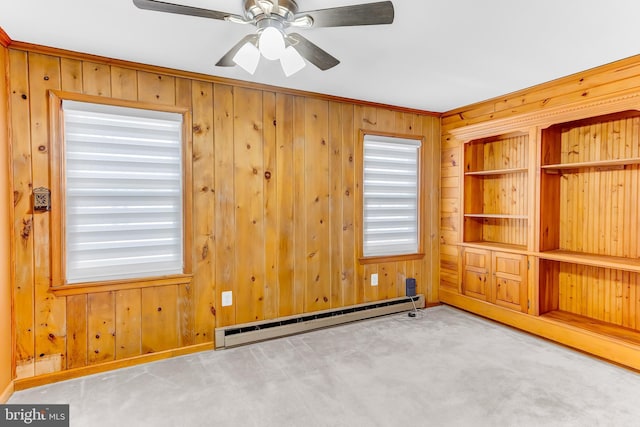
[291,61]
[271,43]
[247,57]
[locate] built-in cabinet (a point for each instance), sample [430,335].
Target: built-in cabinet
[496,219]
[496,277]
[550,222]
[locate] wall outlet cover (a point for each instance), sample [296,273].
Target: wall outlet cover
[374,279]
[227,298]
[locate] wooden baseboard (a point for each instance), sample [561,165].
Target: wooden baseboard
[7,392]
[605,347]
[24,383]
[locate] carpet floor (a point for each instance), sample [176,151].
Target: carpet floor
[445,367]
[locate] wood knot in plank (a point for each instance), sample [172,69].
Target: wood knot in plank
[27,224]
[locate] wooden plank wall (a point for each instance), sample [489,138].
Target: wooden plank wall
[274,186]
[6,359]
[599,210]
[600,293]
[612,79]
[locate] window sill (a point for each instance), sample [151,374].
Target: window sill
[120,285]
[389,258]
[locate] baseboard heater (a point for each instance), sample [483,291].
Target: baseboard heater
[231,336]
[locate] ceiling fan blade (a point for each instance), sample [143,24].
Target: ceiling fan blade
[359,14]
[227,59]
[179,9]
[311,52]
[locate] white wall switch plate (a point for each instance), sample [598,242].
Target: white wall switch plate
[374,279]
[227,298]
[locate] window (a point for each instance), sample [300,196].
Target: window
[121,190]
[390,196]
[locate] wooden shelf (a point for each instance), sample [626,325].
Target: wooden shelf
[504,247]
[604,261]
[496,216]
[592,164]
[496,172]
[610,330]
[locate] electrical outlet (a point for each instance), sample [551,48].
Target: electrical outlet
[227,298]
[374,279]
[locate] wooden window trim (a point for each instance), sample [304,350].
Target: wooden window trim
[57,213]
[359,226]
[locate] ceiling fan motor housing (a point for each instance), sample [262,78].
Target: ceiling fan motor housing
[260,9]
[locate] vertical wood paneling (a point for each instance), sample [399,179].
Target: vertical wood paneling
[270,188]
[186,320]
[204,200]
[101,327]
[249,201]
[50,317]
[159,318]
[285,203]
[350,284]
[23,292]
[598,293]
[274,215]
[96,79]
[71,75]
[225,269]
[431,127]
[300,212]
[7,361]
[124,83]
[335,204]
[318,286]
[156,88]
[76,331]
[596,212]
[128,323]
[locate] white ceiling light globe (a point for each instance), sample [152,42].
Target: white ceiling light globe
[271,43]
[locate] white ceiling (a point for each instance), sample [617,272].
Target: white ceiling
[436,56]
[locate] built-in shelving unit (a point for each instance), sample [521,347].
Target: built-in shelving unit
[589,234]
[616,163]
[496,172]
[495,195]
[550,222]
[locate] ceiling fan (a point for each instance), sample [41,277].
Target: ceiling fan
[272,18]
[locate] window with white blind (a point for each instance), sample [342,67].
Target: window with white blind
[390,196]
[122,185]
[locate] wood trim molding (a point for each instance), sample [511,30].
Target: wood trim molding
[7,392]
[46,50]
[25,383]
[629,100]
[607,348]
[576,79]
[5,40]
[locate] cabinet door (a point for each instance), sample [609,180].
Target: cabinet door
[509,285]
[475,279]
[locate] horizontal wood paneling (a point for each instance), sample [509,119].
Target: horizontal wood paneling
[274,218]
[606,80]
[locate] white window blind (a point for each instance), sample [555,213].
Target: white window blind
[123,192]
[390,196]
